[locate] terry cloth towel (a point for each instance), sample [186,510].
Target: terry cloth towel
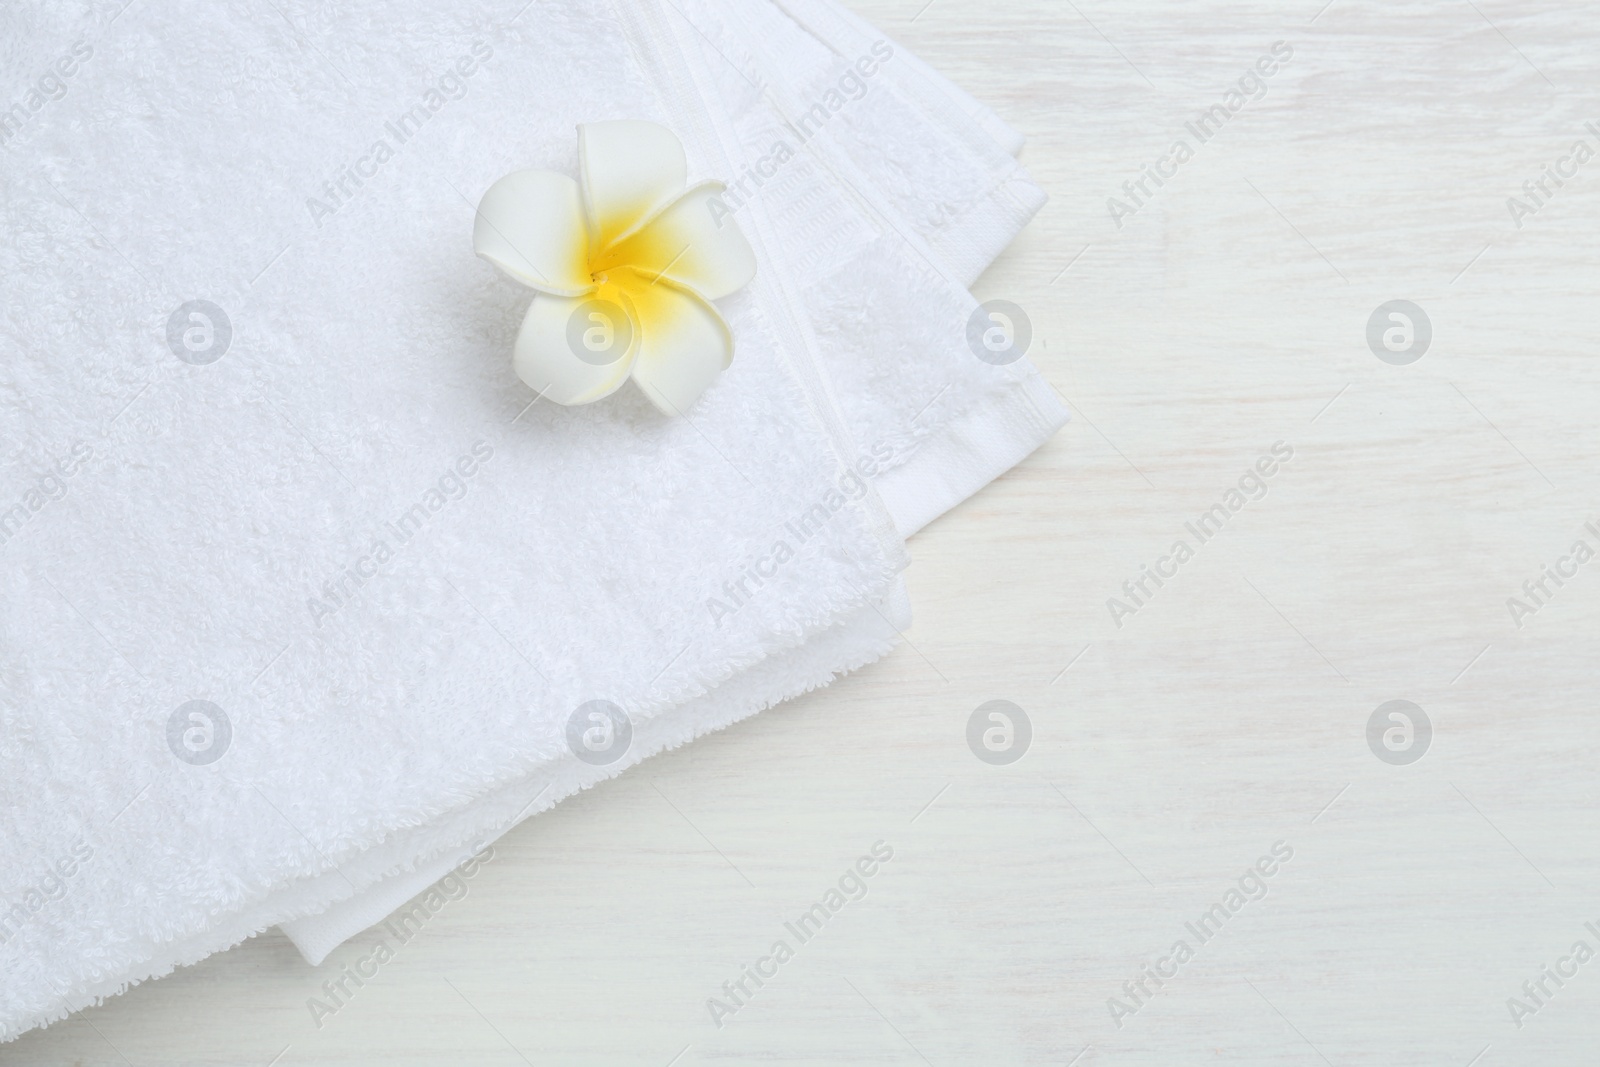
[177,517]
[891,317]
[352,536]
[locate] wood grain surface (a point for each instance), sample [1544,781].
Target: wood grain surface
[1175,744]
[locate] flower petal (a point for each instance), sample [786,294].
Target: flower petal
[683,342]
[530,225]
[575,350]
[631,170]
[693,242]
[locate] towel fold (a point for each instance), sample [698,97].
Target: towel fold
[291,627]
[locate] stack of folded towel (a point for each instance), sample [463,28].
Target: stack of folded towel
[306,595]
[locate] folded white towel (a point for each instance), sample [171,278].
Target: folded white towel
[891,323]
[210,531]
[337,533]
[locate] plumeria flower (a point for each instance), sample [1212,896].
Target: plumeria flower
[625,264]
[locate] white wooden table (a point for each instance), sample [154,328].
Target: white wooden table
[1227,714]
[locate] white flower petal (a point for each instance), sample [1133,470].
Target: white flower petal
[631,169]
[530,225]
[683,344]
[693,242]
[575,350]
